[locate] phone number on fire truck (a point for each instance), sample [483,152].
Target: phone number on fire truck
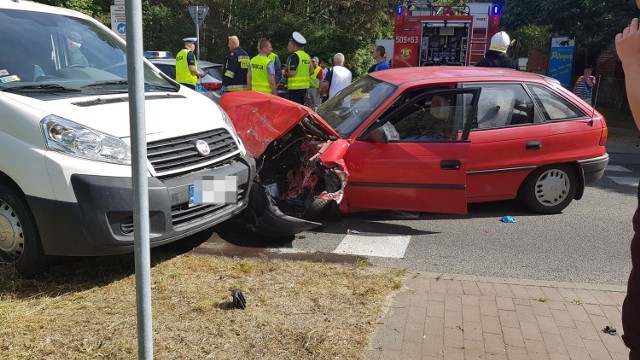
[407,40]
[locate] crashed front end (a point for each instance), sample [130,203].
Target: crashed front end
[299,159]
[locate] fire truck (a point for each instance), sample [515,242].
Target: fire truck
[427,35]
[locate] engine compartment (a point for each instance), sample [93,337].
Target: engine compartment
[292,174]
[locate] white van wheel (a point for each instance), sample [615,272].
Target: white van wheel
[19,238]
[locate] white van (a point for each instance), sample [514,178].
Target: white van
[65,158]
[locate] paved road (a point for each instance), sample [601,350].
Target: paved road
[587,243]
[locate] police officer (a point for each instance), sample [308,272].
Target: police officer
[298,69]
[187,72]
[497,54]
[261,74]
[236,67]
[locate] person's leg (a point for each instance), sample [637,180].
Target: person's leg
[298,95]
[631,306]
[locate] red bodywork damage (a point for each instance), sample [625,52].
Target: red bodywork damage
[299,156]
[260,118]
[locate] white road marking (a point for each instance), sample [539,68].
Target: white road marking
[629,181]
[617,168]
[373,244]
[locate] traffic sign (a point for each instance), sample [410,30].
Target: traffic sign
[198,13]
[118,20]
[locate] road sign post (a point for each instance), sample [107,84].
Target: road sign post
[198,13]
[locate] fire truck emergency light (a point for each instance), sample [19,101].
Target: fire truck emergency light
[495,9]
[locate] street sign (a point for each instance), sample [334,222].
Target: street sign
[118,2]
[118,21]
[561,59]
[198,13]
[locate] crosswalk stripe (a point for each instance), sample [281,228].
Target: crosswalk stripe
[373,244]
[629,181]
[617,168]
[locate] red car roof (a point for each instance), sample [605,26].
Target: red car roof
[452,74]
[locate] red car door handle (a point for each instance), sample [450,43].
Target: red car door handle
[534,145]
[450,165]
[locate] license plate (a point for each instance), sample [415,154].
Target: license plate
[214,190]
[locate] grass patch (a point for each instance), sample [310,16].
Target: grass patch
[294,309]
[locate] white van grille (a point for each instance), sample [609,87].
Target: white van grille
[174,154]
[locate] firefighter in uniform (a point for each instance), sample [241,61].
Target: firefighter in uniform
[261,74]
[187,72]
[236,66]
[497,54]
[298,69]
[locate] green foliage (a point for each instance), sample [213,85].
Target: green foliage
[529,37]
[593,23]
[330,26]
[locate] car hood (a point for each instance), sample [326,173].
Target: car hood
[110,113]
[261,118]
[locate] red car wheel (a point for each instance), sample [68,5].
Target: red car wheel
[549,189]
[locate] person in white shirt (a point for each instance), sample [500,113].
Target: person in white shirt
[337,78]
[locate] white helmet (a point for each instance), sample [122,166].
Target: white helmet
[500,42]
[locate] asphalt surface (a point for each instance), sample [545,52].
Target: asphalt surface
[587,243]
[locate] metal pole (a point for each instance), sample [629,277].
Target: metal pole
[133,16]
[198,30]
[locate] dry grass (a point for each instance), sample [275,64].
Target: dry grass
[295,310]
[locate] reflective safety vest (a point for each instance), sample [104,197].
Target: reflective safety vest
[301,79]
[314,82]
[259,74]
[183,74]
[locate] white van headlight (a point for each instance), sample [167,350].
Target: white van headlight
[72,138]
[227,121]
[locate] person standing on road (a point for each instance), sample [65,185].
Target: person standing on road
[584,85]
[277,65]
[380,56]
[313,94]
[337,78]
[628,49]
[261,74]
[298,69]
[236,66]
[497,54]
[187,72]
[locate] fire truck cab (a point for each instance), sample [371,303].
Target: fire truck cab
[426,34]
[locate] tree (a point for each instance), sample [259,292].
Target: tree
[593,23]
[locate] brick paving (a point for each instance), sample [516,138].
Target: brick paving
[467,317]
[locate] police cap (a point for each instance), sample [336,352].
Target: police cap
[297,38]
[190,40]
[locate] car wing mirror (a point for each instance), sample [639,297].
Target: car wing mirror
[383,134]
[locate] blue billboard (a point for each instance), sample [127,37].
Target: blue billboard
[561,59]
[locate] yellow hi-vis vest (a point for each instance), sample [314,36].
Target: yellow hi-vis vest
[183,74]
[314,82]
[259,74]
[301,79]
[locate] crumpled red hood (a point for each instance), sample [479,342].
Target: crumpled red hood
[261,118]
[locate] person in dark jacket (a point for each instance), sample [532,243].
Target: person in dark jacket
[235,67]
[497,54]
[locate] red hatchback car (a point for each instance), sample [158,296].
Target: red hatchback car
[434,139]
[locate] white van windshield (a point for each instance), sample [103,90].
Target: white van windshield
[50,53]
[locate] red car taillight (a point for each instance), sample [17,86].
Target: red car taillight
[212,86]
[603,136]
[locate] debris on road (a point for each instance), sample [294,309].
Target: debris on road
[508,219]
[610,330]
